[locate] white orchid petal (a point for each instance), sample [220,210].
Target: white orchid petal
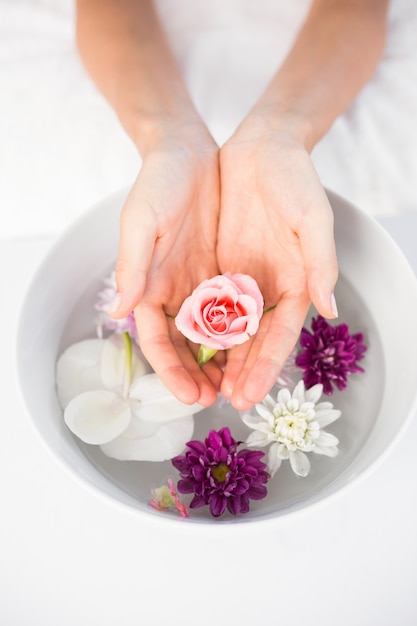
[77,370]
[140,366]
[300,464]
[113,363]
[156,403]
[139,428]
[168,441]
[97,417]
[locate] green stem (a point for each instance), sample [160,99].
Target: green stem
[270,308]
[205,354]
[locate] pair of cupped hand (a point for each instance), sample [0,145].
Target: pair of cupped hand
[256,207]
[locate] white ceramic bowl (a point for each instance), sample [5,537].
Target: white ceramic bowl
[376,294]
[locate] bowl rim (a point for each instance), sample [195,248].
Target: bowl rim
[284,515]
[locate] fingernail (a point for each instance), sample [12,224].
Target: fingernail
[334,305]
[114,307]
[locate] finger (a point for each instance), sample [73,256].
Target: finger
[276,338]
[236,358]
[138,232]
[214,373]
[169,355]
[319,252]
[213,369]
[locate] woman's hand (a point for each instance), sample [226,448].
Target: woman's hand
[167,246]
[276,224]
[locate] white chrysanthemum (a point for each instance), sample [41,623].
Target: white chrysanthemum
[293,425]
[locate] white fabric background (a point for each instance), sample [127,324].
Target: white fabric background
[72,559]
[62,148]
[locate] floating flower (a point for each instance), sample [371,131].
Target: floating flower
[103,319]
[222,312]
[219,475]
[293,425]
[110,400]
[167,496]
[329,354]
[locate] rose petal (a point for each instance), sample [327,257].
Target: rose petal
[97,417]
[168,441]
[219,313]
[248,285]
[156,403]
[78,371]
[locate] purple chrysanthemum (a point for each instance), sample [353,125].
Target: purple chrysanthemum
[219,475]
[329,354]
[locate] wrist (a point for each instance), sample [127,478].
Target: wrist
[284,125]
[148,126]
[150,130]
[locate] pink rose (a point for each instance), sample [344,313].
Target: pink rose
[222,311]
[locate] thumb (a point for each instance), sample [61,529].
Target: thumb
[136,244]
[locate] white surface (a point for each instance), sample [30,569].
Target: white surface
[68,557]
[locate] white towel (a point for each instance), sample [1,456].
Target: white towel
[62,148]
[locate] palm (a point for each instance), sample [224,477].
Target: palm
[183,198]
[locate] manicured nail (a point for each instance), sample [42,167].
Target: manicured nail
[114,307]
[334,305]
